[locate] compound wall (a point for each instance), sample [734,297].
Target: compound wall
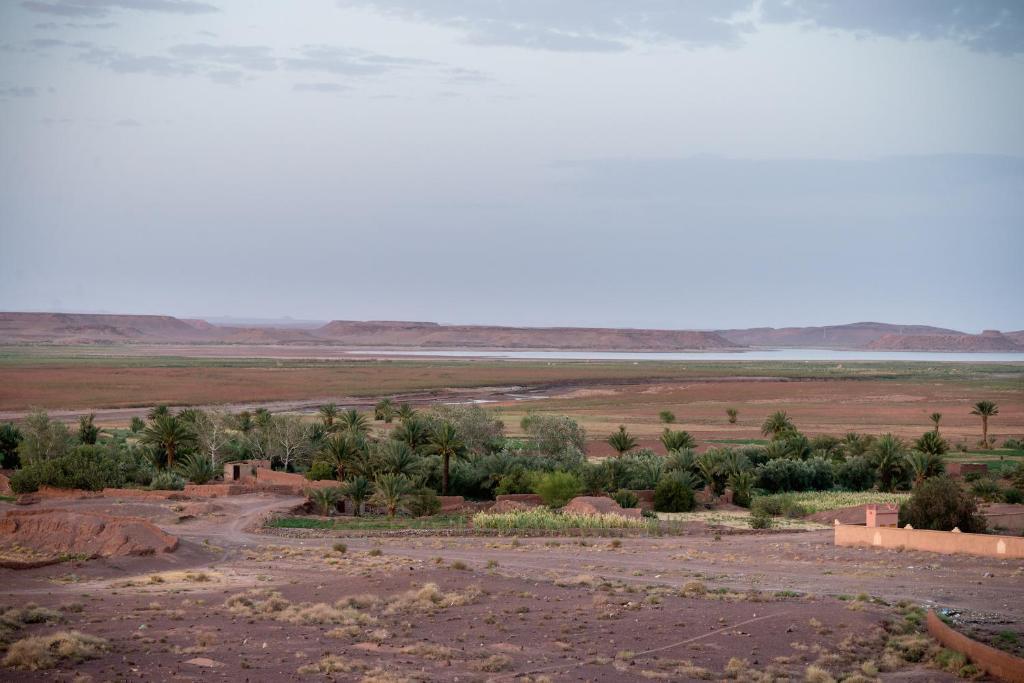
[946,542]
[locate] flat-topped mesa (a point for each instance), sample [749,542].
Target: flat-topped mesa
[988,341]
[414,334]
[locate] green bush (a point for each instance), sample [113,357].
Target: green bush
[988,490]
[761,520]
[939,503]
[780,505]
[167,481]
[557,488]
[626,498]
[196,468]
[673,495]
[667,416]
[519,480]
[1013,496]
[320,471]
[855,474]
[86,467]
[325,500]
[424,503]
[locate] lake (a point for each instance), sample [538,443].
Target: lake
[758,355]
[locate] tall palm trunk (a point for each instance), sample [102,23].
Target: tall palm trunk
[444,476]
[170,456]
[984,430]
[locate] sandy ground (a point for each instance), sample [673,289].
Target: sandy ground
[567,609]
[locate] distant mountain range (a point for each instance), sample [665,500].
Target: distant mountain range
[86,328]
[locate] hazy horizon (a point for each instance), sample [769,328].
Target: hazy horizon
[650,164]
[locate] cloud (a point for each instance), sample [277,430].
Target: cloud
[101,8]
[19,91]
[612,25]
[127,63]
[320,87]
[990,26]
[347,61]
[250,57]
[577,25]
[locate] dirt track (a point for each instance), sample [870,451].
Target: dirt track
[594,597]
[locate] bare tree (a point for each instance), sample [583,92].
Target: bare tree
[213,434]
[290,439]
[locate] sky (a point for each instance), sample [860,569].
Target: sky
[642,163]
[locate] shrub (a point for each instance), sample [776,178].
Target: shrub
[779,506]
[167,481]
[1014,444]
[424,503]
[855,474]
[196,468]
[86,467]
[519,480]
[137,425]
[325,500]
[1013,496]
[10,437]
[47,652]
[673,495]
[557,488]
[987,489]
[626,498]
[761,520]
[320,471]
[940,504]
[552,434]
[667,416]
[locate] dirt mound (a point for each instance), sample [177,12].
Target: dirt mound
[510,506]
[598,505]
[852,515]
[52,533]
[856,335]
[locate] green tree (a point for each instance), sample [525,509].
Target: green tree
[936,418]
[923,465]
[742,486]
[384,410]
[43,438]
[358,490]
[557,488]
[940,504]
[673,494]
[392,492]
[170,435]
[888,454]
[413,431]
[158,411]
[341,451]
[10,437]
[354,422]
[931,442]
[406,412]
[732,414]
[88,432]
[709,467]
[325,500]
[677,440]
[985,410]
[445,441]
[328,414]
[777,425]
[137,425]
[395,457]
[622,441]
[667,416]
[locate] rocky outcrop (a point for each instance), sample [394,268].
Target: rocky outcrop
[989,340]
[87,534]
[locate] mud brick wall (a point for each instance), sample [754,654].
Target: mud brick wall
[1002,665]
[945,542]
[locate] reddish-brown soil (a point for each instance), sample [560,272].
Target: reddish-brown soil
[51,533]
[568,609]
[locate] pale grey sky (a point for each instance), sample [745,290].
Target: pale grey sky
[659,163]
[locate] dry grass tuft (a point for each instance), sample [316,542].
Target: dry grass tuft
[331,664]
[815,674]
[46,652]
[494,664]
[268,603]
[430,598]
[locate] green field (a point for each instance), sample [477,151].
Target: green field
[369,523]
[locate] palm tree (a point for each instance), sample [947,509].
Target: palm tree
[445,442]
[931,442]
[708,466]
[985,409]
[395,457]
[324,499]
[88,432]
[328,413]
[158,411]
[923,465]
[358,490]
[243,422]
[168,433]
[681,460]
[777,424]
[732,413]
[936,418]
[354,422]
[674,441]
[405,412]
[384,410]
[622,441]
[888,454]
[742,485]
[392,492]
[339,450]
[412,431]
